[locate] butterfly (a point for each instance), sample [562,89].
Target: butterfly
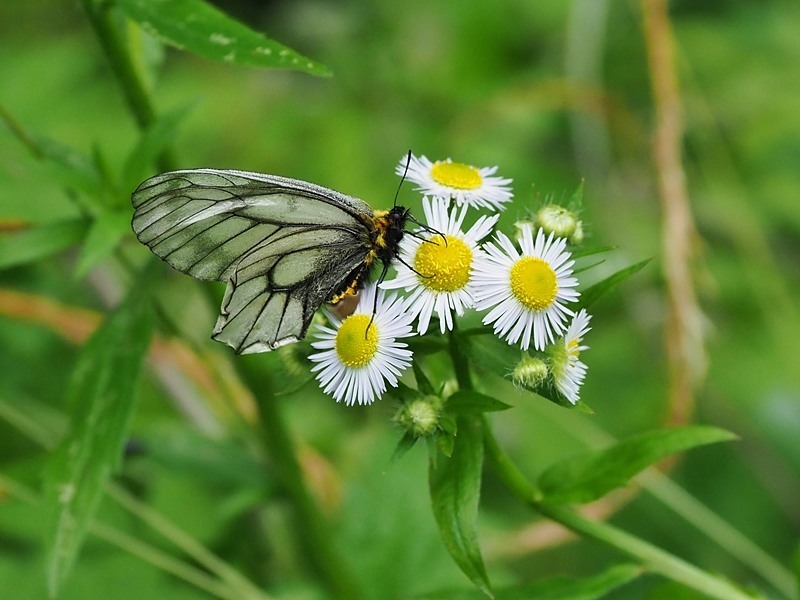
[283,246]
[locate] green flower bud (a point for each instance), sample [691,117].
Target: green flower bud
[557,220]
[559,358]
[520,224]
[420,417]
[530,373]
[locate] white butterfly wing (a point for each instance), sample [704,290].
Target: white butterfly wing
[284,246]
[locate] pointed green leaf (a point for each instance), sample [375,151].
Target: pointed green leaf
[152,143]
[101,398]
[558,588]
[582,251]
[575,203]
[471,402]
[586,588]
[589,476]
[487,352]
[199,27]
[592,294]
[455,491]
[445,442]
[423,383]
[29,245]
[72,169]
[404,444]
[105,233]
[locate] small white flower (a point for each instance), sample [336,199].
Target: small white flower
[526,291]
[467,185]
[442,263]
[358,355]
[568,371]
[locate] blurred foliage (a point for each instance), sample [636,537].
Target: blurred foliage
[553,92]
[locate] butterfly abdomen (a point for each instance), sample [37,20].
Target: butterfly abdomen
[386,232]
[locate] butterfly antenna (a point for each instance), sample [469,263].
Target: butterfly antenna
[428,229]
[403,178]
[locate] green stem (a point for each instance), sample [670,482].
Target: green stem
[101,17]
[460,364]
[683,504]
[653,558]
[312,529]
[508,472]
[718,530]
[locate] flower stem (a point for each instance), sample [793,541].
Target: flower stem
[653,558]
[460,365]
[99,14]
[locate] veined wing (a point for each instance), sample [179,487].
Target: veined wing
[275,290]
[203,221]
[284,246]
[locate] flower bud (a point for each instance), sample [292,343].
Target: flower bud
[530,373]
[557,220]
[420,417]
[519,225]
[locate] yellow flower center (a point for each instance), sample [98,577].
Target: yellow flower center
[456,175]
[573,348]
[533,283]
[355,344]
[444,267]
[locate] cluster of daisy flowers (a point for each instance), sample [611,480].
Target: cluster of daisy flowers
[525,287]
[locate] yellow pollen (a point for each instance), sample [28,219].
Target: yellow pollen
[533,283]
[443,267]
[573,348]
[456,175]
[355,344]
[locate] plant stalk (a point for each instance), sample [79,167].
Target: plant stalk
[651,557]
[101,16]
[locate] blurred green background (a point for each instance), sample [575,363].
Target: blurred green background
[552,92]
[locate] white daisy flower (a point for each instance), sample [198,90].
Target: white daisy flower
[568,371]
[467,185]
[358,355]
[442,276]
[526,291]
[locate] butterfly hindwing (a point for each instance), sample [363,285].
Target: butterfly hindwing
[283,246]
[271,298]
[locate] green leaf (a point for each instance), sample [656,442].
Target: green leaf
[593,293]
[152,143]
[558,588]
[582,251]
[455,491]
[589,476]
[72,169]
[487,352]
[27,246]
[105,232]
[423,383]
[575,203]
[470,402]
[101,397]
[404,444]
[198,27]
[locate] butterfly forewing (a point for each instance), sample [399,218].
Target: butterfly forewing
[283,246]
